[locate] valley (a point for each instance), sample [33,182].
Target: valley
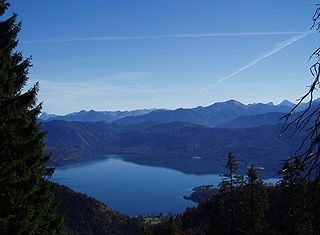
[185,146]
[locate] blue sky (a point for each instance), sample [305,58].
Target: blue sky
[124,55]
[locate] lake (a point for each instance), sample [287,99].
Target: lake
[133,189]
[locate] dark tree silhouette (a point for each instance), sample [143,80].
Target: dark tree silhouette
[228,203]
[26,204]
[293,208]
[254,204]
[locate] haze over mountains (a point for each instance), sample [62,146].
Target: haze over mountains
[94,116]
[212,116]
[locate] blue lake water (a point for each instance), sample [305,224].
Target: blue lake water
[133,189]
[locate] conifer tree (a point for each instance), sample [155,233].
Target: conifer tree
[254,204]
[26,203]
[228,203]
[294,202]
[231,180]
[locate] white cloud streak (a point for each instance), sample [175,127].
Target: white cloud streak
[280,46]
[94,89]
[146,89]
[153,37]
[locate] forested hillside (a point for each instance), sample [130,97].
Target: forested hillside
[85,215]
[70,142]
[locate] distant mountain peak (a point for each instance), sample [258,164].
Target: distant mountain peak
[286,103]
[232,101]
[224,105]
[228,103]
[46,116]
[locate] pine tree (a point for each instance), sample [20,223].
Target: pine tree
[228,203]
[231,180]
[254,204]
[294,200]
[26,203]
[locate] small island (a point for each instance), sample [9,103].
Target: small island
[202,193]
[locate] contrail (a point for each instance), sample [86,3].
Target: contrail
[279,47]
[147,89]
[152,37]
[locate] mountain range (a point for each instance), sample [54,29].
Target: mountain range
[94,116]
[175,138]
[212,116]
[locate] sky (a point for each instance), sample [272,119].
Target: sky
[126,55]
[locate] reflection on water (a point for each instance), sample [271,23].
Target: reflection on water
[131,188]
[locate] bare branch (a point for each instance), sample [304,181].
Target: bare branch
[308,120]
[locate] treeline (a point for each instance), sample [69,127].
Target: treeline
[245,205]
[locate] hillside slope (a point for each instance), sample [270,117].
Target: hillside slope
[70,142]
[85,215]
